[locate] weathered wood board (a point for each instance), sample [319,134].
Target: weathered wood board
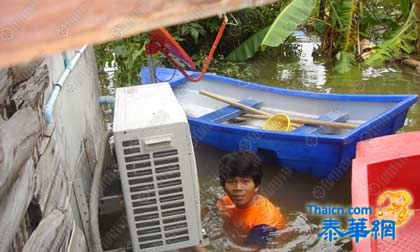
[17,143]
[30,92]
[38,163]
[5,84]
[52,234]
[13,206]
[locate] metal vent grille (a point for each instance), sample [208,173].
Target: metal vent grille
[157,169]
[155,184]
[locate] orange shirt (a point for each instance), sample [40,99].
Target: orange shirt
[239,222]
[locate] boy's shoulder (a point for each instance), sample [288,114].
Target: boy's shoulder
[263,202]
[268,213]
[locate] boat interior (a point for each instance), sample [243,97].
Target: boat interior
[328,107]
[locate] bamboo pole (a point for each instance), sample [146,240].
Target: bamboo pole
[264,115]
[308,121]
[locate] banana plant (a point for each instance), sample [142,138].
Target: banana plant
[343,16]
[402,40]
[342,20]
[249,47]
[348,11]
[286,22]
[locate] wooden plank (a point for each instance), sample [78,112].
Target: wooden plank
[33,28]
[49,177]
[14,204]
[24,71]
[29,92]
[24,232]
[332,116]
[5,84]
[229,112]
[52,233]
[17,143]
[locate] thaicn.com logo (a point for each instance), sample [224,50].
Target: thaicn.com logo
[392,210]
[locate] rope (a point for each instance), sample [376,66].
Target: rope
[208,59]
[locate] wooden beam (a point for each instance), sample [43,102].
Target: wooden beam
[34,28]
[17,143]
[53,232]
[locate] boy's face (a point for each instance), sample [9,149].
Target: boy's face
[241,190]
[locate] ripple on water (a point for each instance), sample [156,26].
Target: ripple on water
[301,66]
[300,234]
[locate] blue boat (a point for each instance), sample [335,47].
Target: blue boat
[317,151]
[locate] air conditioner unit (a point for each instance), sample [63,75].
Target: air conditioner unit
[157,167]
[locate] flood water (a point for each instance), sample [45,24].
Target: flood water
[299,66]
[288,190]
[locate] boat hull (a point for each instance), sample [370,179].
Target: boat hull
[319,155]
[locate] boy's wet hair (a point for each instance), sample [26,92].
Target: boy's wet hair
[240,164]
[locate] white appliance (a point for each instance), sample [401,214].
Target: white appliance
[157,167]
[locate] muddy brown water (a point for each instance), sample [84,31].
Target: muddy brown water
[300,67]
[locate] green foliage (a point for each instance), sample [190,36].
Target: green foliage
[345,62]
[242,25]
[194,30]
[118,61]
[287,21]
[275,34]
[348,11]
[223,67]
[405,8]
[350,21]
[401,40]
[248,48]
[347,14]
[340,24]
[381,17]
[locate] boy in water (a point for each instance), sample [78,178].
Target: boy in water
[249,218]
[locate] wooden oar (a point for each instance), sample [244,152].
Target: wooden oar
[307,121]
[241,106]
[264,115]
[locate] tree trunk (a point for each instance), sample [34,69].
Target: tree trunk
[321,13]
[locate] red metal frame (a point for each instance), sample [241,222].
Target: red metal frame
[162,41]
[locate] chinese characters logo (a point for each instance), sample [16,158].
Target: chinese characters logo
[392,210]
[357,229]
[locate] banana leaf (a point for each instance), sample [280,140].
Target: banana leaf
[401,40]
[405,7]
[286,22]
[345,62]
[348,10]
[248,48]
